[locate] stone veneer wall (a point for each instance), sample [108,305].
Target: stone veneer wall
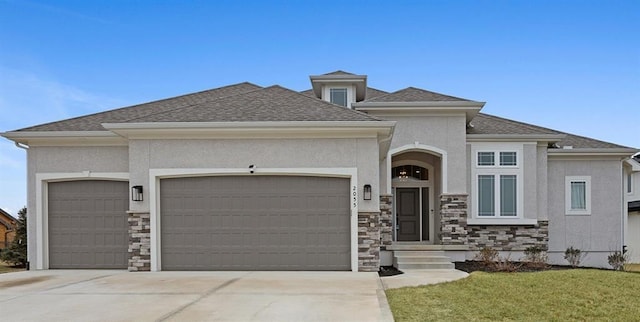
[453,219]
[139,241]
[386,221]
[368,241]
[509,238]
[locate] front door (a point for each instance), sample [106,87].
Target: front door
[408,214]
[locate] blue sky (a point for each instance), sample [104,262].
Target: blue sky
[568,65]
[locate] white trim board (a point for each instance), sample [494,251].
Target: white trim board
[420,148]
[42,205]
[154,195]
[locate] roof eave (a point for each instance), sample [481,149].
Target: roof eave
[32,138]
[550,138]
[619,152]
[309,129]
[470,108]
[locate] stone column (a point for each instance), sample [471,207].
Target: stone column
[453,219]
[386,221]
[368,241]
[139,241]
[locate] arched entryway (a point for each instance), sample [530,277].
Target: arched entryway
[416,178]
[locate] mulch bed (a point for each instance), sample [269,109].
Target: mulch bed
[388,271]
[473,266]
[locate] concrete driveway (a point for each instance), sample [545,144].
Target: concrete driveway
[102,295]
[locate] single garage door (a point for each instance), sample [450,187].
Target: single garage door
[255,223]
[88,224]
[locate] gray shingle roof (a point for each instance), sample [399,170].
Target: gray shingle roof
[93,122]
[339,72]
[371,93]
[412,94]
[272,103]
[489,124]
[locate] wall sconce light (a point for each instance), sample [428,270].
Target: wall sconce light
[367,192]
[136,193]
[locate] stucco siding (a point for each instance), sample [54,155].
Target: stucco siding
[263,153]
[598,233]
[66,159]
[530,181]
[443,132]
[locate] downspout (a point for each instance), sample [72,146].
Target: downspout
[624,207]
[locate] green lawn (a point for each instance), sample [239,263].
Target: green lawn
[565,295]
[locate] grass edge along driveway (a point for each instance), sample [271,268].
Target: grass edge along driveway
[565,295]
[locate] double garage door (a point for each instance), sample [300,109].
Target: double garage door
[255,223]
[208,223]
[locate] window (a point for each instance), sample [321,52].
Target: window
[338,96]
[406,172]
[508,159]
[629,183]
[486,159]
[497,190]
[578,195]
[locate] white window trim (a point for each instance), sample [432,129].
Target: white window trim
[497,170]
[567,195]
[630,183]
[326,93]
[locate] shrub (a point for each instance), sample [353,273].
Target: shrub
[536,256]
[617,260]
[487,256]
[574,256]
[505,264]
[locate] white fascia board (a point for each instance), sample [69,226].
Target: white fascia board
[49,138]
[515,137]
[471,109]
[376,106]
[181,130]
[635,165]
[613,152]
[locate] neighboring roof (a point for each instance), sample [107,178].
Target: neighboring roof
[634,205]
[7,220]
[489,124]
[93,122]
[412,94]
[274,103]
[371,93]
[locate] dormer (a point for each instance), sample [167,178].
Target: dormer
[339,87]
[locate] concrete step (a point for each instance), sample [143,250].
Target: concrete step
[426,266]
[418,253]
[421,259]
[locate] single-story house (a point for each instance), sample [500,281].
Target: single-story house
[8,225]
[338,177]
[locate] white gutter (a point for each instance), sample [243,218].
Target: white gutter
[22,146]
[515,137]
[432,104]
[245,125]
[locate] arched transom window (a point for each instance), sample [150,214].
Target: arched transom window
[406,172]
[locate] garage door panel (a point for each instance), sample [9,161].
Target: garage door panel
[255,223]
[87,224]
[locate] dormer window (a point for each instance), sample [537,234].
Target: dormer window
[338,96]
